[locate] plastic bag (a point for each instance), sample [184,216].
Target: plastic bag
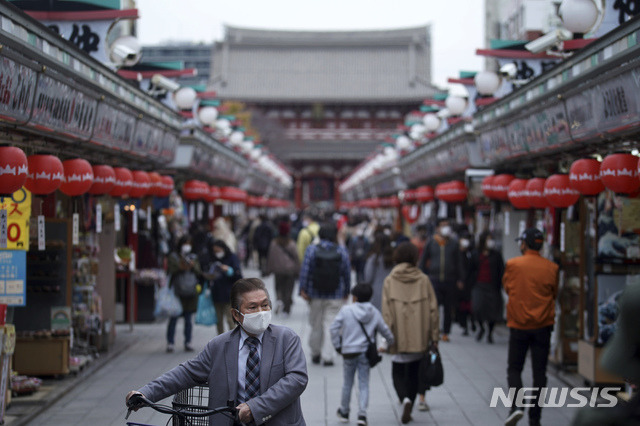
[206,313]
[167,304]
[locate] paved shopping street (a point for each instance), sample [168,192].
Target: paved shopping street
[472,370]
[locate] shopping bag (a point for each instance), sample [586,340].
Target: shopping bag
[167,304]
[206,313]
[431,368]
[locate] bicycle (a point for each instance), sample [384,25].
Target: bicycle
[181,416]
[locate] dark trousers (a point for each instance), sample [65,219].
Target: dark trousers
[520,341]
[444,293]
[405,379]
[284,290]
[188,326]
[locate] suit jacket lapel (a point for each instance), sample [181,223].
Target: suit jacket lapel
[231,361]
[266,359]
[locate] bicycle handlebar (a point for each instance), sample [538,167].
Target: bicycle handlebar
[138,401]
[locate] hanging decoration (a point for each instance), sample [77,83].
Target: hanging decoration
[619,173]
[409,196]
[451,192]
[78,177]
[411,213]
[155,181]
[424,194]
[193,190]
[230,193]
[559,192]
[13,169]
[517,194]
[46,174]
[213,194]
[500,186]
[535,193]
[104,179]
[487,186]
[584,176]
[166,187]
[141,184]
[124,182]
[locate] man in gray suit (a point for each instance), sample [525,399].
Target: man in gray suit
[271,396]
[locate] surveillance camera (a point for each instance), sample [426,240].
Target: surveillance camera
[125,51]
[509,70]
[548,40]
[163,82]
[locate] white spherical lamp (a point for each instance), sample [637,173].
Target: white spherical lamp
[486,82]
[455,104]
[403,143]
[208,115]
[236,138]
[578,16]
[431,122]
[417,130]
[246,147]
[185,97]
[255,154]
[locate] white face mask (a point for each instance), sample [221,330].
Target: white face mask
[257,322]
[219,254]
[445,231]
[186,249]
[464,243]
[491,244]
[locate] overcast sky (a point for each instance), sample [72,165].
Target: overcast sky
[456,25]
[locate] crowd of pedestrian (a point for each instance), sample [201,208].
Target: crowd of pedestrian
[407,293]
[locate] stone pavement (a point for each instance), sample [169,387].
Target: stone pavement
[472,370]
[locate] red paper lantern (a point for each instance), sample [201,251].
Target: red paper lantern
[233,194]
[584,176]
[193,190]
[517,194]
[156,183]
[124,182]
[13,169]
[500,186]
[424,194]
[559,192]
[487,186]
[411,213]
[104,179]
[78,177]
[141,184]
[213,194]
[451,192]
[409,196]
[535,193]
[46,174]
[619,173]
[166,187]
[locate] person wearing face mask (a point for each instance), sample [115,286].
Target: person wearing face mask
[224,271]
[307,235]
[463,293]
[185,273]
[487,267]
[440,260]
[258,365]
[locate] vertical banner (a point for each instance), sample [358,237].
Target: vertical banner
[210,211]
[459,214]
[192,212]
[75,230]
[98,218]
[521,227]
[506,224]
[13,277]
[442,210]
[3,228]
[200,210]
[562,236]
[116,216]
[41,233]
[134,221]
[149,221]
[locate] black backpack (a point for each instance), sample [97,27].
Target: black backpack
[325,275]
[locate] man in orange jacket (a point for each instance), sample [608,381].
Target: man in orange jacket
[531,282]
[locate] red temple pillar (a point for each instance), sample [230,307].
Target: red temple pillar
[297,193]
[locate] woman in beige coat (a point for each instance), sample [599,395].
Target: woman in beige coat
[410,309]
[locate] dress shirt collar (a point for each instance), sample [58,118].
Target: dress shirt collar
[244,336]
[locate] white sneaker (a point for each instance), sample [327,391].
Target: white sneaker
[407,405]
[514,418]
[422,406]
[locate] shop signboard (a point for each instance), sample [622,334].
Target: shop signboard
[90,36]
[494,145]
[60,107]
[13,277]
[545,128]
[581,116]
[141,137]
[114,127]
[616,103]
[18,208]
[17,86]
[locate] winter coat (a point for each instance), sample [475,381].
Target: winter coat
[222,231]
[221,286]
[410,309]
[346,333]
[441,260]
[283,260]
[374,274]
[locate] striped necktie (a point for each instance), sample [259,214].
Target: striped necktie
[252,378]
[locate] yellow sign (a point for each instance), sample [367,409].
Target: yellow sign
[18,208]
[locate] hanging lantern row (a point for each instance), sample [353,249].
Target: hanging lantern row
[44,174]
[451,192]
[262,201]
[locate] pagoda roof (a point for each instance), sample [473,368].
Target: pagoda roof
[323,66]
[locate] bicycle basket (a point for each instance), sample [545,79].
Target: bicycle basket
[194,399]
